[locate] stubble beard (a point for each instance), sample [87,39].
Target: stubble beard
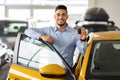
[61,24]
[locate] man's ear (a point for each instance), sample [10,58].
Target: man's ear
[54,17]
[67,16]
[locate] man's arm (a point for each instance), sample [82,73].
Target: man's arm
[39,33]
[47,38]
[32,32]
[81,46]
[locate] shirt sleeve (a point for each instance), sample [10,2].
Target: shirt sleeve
[34,32]
[82,47]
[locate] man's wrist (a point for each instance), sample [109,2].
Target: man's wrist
[84,40]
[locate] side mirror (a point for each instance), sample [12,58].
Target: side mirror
[53,70]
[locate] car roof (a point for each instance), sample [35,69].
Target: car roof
[108,35]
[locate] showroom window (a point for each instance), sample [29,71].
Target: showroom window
[21,14]
[43,17]
[2,11]
[36,10]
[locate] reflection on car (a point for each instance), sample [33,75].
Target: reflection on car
[38,60]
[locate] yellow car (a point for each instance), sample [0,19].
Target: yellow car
[38,60]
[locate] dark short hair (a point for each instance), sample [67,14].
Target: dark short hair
[79,31]
[61,7]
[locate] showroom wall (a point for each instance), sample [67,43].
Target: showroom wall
[112,7]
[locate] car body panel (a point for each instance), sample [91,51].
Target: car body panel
[23,73]
[85,62]
[111,35]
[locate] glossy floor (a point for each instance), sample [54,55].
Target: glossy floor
[4,71]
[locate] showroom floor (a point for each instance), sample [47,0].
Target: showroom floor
[4,71]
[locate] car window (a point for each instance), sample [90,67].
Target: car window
[113,28]
[11,28]
[36,54]
[106,55]
[14,27]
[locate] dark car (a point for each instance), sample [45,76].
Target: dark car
[96,20]
[8,32]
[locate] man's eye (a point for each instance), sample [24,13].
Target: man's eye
[61,15]
[58,14]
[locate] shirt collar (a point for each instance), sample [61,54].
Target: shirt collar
[66,29]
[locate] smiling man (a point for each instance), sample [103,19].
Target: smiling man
[64,38]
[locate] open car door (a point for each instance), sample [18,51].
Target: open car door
[38,60]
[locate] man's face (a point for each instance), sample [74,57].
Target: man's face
[83,31]
[61,17]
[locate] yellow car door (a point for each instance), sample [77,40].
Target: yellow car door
[37,60]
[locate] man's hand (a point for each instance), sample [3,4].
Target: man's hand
[83,37]
[47,38]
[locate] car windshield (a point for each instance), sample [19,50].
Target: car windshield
[104,59]
[11,28]
[36,54]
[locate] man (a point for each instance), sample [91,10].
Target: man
[61,36]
